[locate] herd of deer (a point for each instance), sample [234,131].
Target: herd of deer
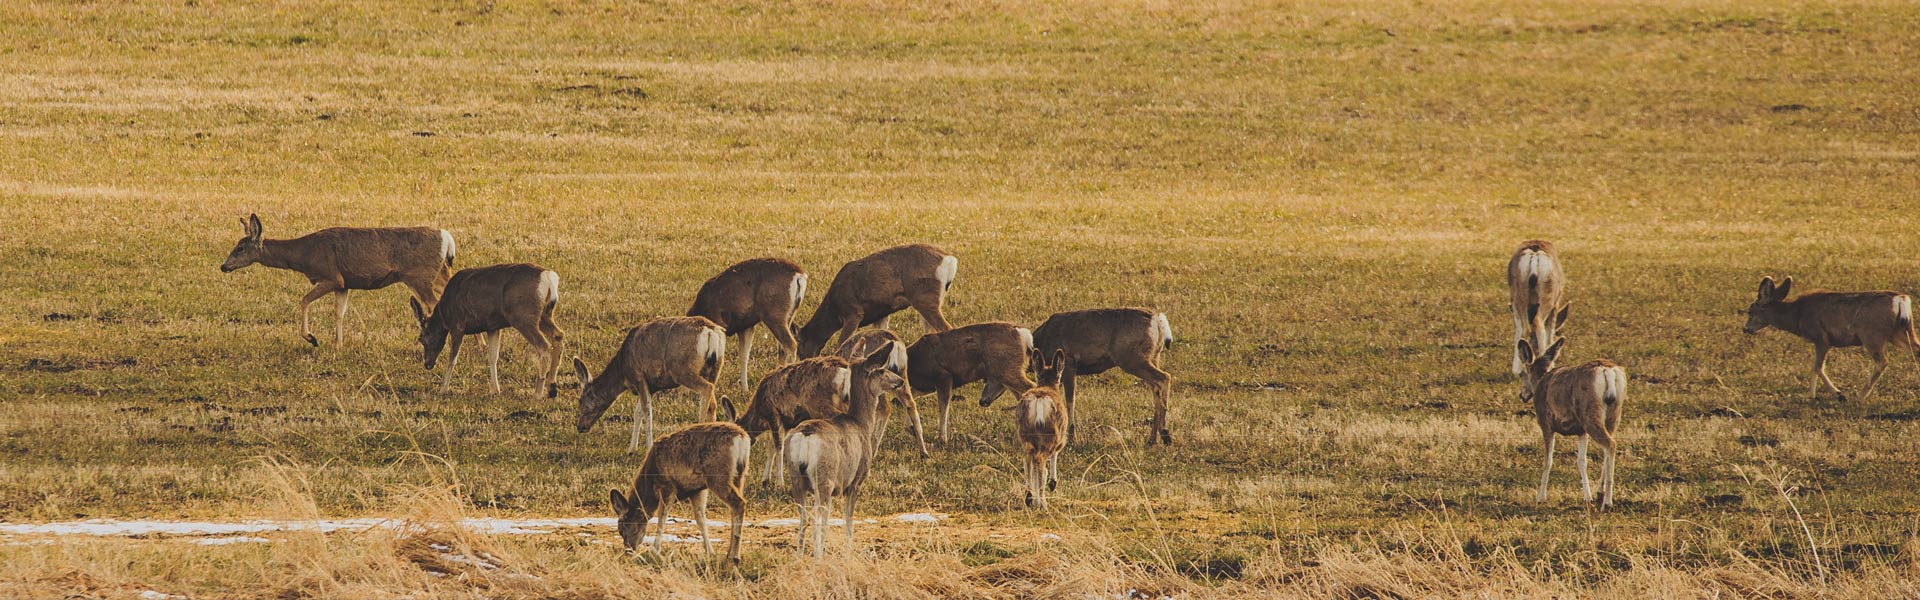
[828,413]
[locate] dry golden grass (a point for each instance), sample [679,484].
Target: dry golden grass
[1322,197]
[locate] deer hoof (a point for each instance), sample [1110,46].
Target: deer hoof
[313,340]
[1053,484]
[1166,438]
[553,391]
[1029,499]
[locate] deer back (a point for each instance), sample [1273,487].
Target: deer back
[750,292]
[877,285]
[967,354]
[694,458]
[483,299]
[1578,400]
[1845,319]
[1103,338]
[815,388]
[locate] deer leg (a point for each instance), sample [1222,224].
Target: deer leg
[806,518]
[913,412]
[823,506]
[709,402]
[1605,440]
[453,358]
[945,396]
[1879,354]
[782,332]
[884,324]
[1067,388]
[660,537]
[1032,490]
[536,336]
[1519,333]
[1546,469]
[340,318]
[1053,472]
[1580,462]
[700,517]
[774,458]
[1820,371]
[493,359]
[928,305]
[746,355]
[738,506]
[642,410]
[852,495]
[851,324]
[1161,385]
[306,302]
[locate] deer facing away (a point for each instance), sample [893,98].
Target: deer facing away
[815,388]
[1133,339]
[656,356]
[1581,401]
[1043,421]
[868,290]
[994,352]
[831,457]
[754,292]
[691,463]
[1837,320]
[865,343]
[339,259]
[1536,285]
[486,300]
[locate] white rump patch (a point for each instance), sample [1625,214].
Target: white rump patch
[802,450]
[711,344]
[1610,382]
[742,449]
[447,248]
[1537,264]
[1026,337]
[549,287]
[1162,330]
[1039,410]
[949,266]
[1903,308]
[795,291]
[897,360]
[843,381]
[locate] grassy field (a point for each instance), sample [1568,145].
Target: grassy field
[1322,197]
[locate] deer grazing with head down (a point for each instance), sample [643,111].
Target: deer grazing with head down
[486,300]
[1535,285]
[691,463]
[1581,401]
[1831,320]
[865,343]
[339,259]
[831,457]
[815,388]
[760,291]
[1133,339]
[1043,421]
[993,352]
[656,356]
[867,291]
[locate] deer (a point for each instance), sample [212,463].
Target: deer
[339,259]
[1871,320]
[869,290]
[994,352]
[1043,422]
[1097,340]
[831,457]
[486,300]
[656,356]
[760,291]
[1536,280]
[690,463]
[1581,401]
[815,388]
[864,343]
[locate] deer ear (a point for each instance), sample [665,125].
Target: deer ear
[726,409]
[1526,351]
[620,503]
[1560,318]
[580,371]
[1553,352]
[1766,288]
[419,312]
[878,359]
[1786,285]
[1059,358]
[253,226]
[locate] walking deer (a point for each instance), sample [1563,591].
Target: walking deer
[657,356]
[691,463]
[339,259]
[1837,320]
[994,352]
[866,342]
[831,457]
[485,300]
[754,292]
[815,388]
[1043,421]
[1579,401]
[867,291]
[1133,339]
[1535,280]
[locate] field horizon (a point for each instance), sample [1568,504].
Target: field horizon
[1322,197]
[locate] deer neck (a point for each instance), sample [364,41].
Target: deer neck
[283,254]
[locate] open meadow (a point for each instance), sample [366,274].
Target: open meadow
[1322,197]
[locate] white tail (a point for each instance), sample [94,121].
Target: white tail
[1162,331]
[549,291]
[1610,384]
[742,450]
[798,290]
[802,451]
[447,249]
[843,381]
[949,266]
[1026,338]
[1039,411]
[1536,265]
[1903,308]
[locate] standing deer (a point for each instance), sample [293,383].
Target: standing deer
[754,292]
[867,291]
[1535,280]
[1132,339]
[1837,320]
[338,259]
[657,356]
[486,300]
[815,388]
[994,352]
[1581,401]
[831,457]
[1043,421]
[697,460]
[866,342]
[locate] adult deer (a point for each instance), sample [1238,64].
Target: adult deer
[754,292]
[693,462]
[1535,286]
[865,343]
[486,300]
[339,259]
[993,352]
[1837,320]
[1579,401]
[1133,339]
[867,291]
[831,457]
[656,356]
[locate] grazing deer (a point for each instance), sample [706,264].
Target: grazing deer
[656,356]
[994,352]
[1043,421]
[815,388]
[866,342]
[868,290]
[1535,280]
[487,300]
[338,259]
[1581,401]
[1132,339]
[754,292]
[1837,320]
[830,457]
[697,460]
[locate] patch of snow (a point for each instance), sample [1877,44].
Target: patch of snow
[1050,537]
[222,541]
[919,517]
[153,595]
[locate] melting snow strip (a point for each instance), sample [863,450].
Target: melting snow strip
[237,532]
